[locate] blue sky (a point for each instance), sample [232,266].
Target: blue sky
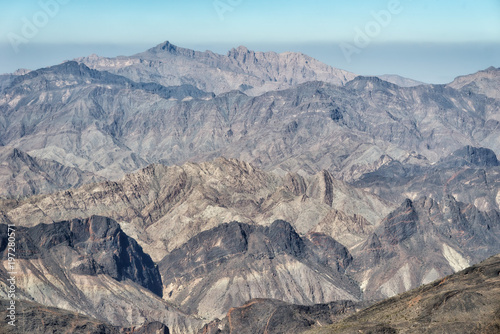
[432,41]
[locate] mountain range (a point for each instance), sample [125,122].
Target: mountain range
[193,192]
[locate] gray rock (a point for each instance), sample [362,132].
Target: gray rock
[101,245]
[241,69]
[22,175]
[223,267]
[259,316]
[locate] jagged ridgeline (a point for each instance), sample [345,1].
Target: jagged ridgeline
[177,191]
[156,106]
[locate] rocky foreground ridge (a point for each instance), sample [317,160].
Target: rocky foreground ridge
[466,302]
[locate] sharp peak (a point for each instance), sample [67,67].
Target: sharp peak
[166,45]
[171,48]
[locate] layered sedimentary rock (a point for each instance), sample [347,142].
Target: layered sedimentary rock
[22,175]
[232,263]
[92,267]
[162,207]
[422,241]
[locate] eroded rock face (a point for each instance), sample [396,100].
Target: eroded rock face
[232,263]
[99,247]
[107,124]
[91,266]
[422,241]
[470,174]
[22,175]
[163,207]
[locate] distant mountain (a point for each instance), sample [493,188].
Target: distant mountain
[400,81]
[232,263]
[175,184]
[463,303]
[7,78]
[241,69]
[485,82]
[107,124]
[68,97]
[22,175]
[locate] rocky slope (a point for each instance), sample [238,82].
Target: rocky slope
[107,124]
[485,82]
[241,69]
[7,78]
[270,316]
[466,302]
[22,175]
[90,266]
[162,207]
[422,241]
[64,103]
[232,263]
[36,318]
[470,174]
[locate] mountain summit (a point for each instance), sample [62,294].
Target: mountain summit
[241,69]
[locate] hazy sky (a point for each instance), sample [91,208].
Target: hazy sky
[429,40]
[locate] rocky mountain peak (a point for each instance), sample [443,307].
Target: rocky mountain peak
[198,274]
[240,50]
[21,71]
[171,49]
[477,156]
[167,46]
[98,245]
[69,70]
[23,175]
[285,238]
[492,69]
[400,224]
